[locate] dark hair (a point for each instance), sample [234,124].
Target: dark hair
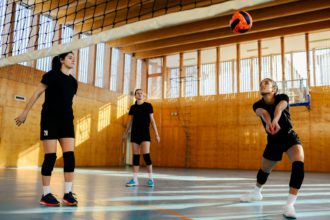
[137,91]
[56,62]
[273,83]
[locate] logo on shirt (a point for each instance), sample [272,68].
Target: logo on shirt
[45,132]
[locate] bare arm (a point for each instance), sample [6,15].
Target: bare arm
[264,115]
[153,123]
[37,93]
[128,127]
[279,109]
[277,114]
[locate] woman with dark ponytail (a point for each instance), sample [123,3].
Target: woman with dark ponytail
[59,86]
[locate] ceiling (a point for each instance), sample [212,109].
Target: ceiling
[271,19]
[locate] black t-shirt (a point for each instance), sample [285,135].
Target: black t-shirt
[141,116]
[59,93]
[285,119]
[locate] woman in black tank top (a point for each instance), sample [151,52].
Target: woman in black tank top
[140,116]
[59,86]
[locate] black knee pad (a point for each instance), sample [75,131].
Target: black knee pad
[147,159]
[48,164]
[262,177]
[297,174]
[69,161]
[136,159]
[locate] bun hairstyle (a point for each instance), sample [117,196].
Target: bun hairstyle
[273,83]
[135,94]
[56,62]
[137,91]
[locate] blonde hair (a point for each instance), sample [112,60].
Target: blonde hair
[273,83]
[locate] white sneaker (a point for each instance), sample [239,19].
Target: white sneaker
[289,211]
[251,196]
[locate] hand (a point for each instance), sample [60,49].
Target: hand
[269,128]
[276,127]
[158,139]
[20,119]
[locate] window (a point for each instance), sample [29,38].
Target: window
[127,73]
[83,62]
[99,70]
[67,34]
[114,69]
[138,74]
[208,72]
[190,73]
[173,76]
[22,30]
[46,35]
[2,20]
[227,73]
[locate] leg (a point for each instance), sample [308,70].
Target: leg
[136,165]
[136,162]
[146,155]
[148,162]
[48,198]
[67,145]
[266,167]
[49,161]
[296,156]
[255,195]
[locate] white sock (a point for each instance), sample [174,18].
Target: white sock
[257,189]
[150,176]
[135,177]
[67,187]
[46,190]
[291,199]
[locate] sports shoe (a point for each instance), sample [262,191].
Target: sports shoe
[132,183]
[49,200]
[150,183]
[289,211]
[251,196]
[69,199]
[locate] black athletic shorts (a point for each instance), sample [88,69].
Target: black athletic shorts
[280,143]
[140,135]
[56,127]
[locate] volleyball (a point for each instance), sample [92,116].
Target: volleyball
[240,22]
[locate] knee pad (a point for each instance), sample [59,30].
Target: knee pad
[147,159]
[136,159]
[262,177]
[297,174]
[69,161]
[48,164]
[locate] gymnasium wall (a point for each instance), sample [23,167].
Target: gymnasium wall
[99,117]
[223,132]
[206,132]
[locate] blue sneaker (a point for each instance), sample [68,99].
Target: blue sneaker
[132,183]
[150,183]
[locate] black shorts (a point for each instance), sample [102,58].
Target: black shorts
[140,135]
[280,143]
[56,127]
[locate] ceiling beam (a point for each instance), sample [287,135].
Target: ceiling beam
[134,13]
[99,9]
[240,38]
[290,8]
[282,22]
[52,6]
